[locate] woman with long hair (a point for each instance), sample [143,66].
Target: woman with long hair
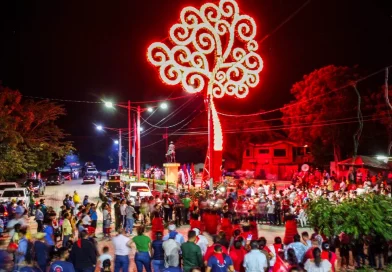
[327,254]
[317,264]
[291,257]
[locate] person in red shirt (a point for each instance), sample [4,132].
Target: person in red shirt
[326,254]
[156,225]
[210,250]
[211,222]
[237,254]
[194,220]
[309,253]
[226,226]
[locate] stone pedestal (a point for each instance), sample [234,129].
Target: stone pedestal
[171,172]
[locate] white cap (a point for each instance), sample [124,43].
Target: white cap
[172,227]
[197,231]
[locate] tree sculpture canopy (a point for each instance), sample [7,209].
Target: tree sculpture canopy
[212,50]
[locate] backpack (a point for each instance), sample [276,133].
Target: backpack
[106,265]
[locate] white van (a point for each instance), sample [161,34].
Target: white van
[7,185]
[139,187]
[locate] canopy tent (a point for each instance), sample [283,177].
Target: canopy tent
[364,161]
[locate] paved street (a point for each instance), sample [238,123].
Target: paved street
[55,194]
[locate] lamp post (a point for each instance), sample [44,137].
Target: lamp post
[119,142]
[139,110]
[109,104]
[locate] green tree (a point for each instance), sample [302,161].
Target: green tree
[322,98]
[365,215]
[29,138]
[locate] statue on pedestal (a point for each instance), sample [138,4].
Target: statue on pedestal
[171,153]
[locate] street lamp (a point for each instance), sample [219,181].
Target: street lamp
[117,142]
[108,104]
[164,106]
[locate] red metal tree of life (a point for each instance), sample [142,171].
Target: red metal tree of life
[211,50]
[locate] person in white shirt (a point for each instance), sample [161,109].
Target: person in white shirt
[105,256]
[123,212]
[255,261]
[266,188]
[86,220]
[122,249]
[201,241]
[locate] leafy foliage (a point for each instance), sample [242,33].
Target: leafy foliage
[327,105]
[29,138]
[364,215]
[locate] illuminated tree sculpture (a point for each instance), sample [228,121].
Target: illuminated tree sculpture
[211,50]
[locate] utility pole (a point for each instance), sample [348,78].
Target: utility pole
[138,159]
[129,138]
[119,151]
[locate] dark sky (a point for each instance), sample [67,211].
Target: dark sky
[88,50]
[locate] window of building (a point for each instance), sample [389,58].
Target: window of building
[264,151]
[247,153]
[279,152]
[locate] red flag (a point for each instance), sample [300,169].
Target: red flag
[185,178]
[193,174]
[280,266]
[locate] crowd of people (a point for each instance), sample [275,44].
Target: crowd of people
[67,239]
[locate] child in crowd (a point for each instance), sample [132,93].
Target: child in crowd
[105,259]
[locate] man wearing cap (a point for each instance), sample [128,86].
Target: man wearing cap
[172,250]
[178,237]
[191,253]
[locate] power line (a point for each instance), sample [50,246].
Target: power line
[299,125]
[307,100]
[285,21]
[102,102]
[171,115]
[171,134]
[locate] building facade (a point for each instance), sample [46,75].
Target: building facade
[275,160]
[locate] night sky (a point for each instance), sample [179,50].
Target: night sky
[92,50]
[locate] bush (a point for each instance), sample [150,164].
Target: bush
[364,215]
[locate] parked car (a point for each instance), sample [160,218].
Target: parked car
[15,193]
[5,185]
[92,171]
[54,179]
[116,188]
[38,186]
[139,187]
[89,178]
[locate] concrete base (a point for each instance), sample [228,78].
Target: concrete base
[171,171]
